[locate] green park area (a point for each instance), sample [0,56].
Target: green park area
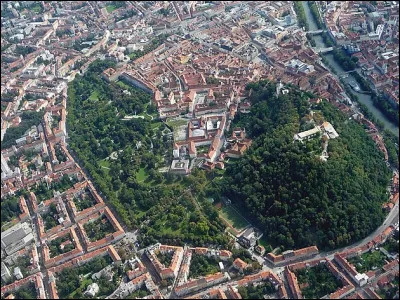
[231,215]
[317,282]
[368,261]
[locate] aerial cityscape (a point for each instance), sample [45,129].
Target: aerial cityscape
[199,150]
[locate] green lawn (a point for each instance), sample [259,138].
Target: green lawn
[94,96]
[155,125]
[83,286]
[234,218]
[110,8]
[105,165]
[142,175]
[368,261]
[123,85]
[176,123]
[263,242]
[37,8]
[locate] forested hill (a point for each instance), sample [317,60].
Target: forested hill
[297,199]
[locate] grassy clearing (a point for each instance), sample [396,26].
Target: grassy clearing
[234,218]
[176,123]
[142,175]
[104,163]
[110,8]
[155,125]
[94,95]
[263,242]
[123,85]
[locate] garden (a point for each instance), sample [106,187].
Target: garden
[371,260]
[317,282]
[61,245]
[98,229]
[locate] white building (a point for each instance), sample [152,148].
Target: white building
[18,273]
[5,169]
[5,272]
[329,130]
[92,290]
[305,135]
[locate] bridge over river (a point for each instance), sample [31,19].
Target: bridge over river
[323,50]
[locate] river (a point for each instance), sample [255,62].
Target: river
[363,98]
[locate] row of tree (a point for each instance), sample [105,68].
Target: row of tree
[301,15]
[316,15]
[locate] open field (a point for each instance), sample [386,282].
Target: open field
[233,217]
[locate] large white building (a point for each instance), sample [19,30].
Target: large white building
[5,169]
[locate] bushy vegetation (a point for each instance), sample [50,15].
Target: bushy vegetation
[156,42]
[297,199]
[391,290]
[86,202]
[165,258]
[50,219]
[343,59]
[55,246]
[98,229]
[389,110]
[392,245]
[201,265]
[256,292]
[45,192]
[368,261]
[9,209]
[301,15]
[311,40]
[69,285]
[26,292]
[315,13]
[320,281]
[139,293]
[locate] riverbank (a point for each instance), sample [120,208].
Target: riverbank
[365,101]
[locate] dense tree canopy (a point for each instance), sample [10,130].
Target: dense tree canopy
[297,199]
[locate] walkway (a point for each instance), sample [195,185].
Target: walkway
[316,31]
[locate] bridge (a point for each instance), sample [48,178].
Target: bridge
[323,50]
[344,73]
[316,31]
